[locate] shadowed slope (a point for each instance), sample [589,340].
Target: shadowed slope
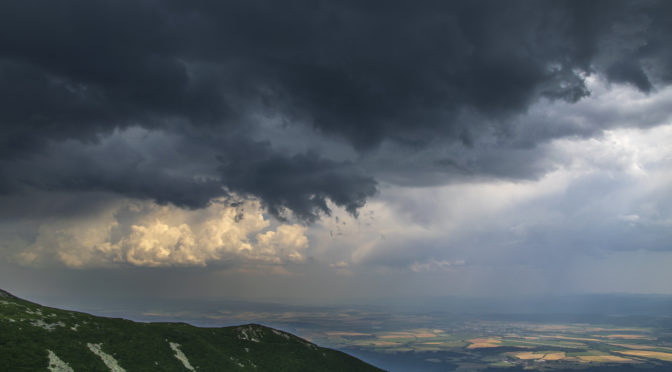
[34,337]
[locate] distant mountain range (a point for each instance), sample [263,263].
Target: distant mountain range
[35,337]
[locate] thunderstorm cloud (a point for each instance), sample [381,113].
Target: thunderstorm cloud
[442,138]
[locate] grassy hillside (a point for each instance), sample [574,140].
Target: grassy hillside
[34,337]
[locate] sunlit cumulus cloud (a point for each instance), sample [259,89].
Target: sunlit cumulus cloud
[146,234]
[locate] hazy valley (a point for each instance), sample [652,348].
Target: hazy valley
[591,333]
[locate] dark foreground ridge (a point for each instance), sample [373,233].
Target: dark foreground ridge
[38,338]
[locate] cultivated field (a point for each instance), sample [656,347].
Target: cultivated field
[475,345]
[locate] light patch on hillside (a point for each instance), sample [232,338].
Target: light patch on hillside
[249,334]
[37,312]
[281,334]
[108,359]
[47,326]
[3,302]
[56,364]
[180,356]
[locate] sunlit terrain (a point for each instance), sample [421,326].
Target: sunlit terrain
[531,345]
[464,337]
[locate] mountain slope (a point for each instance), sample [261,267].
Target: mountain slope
[35,337]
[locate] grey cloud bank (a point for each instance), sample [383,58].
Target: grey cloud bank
[366,73]
[461,134]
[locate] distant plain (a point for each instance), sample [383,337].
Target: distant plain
[631,333]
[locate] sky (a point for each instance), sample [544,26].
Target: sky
[335,150]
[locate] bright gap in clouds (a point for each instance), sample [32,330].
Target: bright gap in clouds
[607,206]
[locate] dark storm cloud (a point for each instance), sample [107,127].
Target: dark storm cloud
[108,166]
[364,72]
[120,164]
[627,72]
[302,183]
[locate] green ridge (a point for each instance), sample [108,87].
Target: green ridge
[28,332]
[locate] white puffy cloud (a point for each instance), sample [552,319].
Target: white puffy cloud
[146,234]
[435,265]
